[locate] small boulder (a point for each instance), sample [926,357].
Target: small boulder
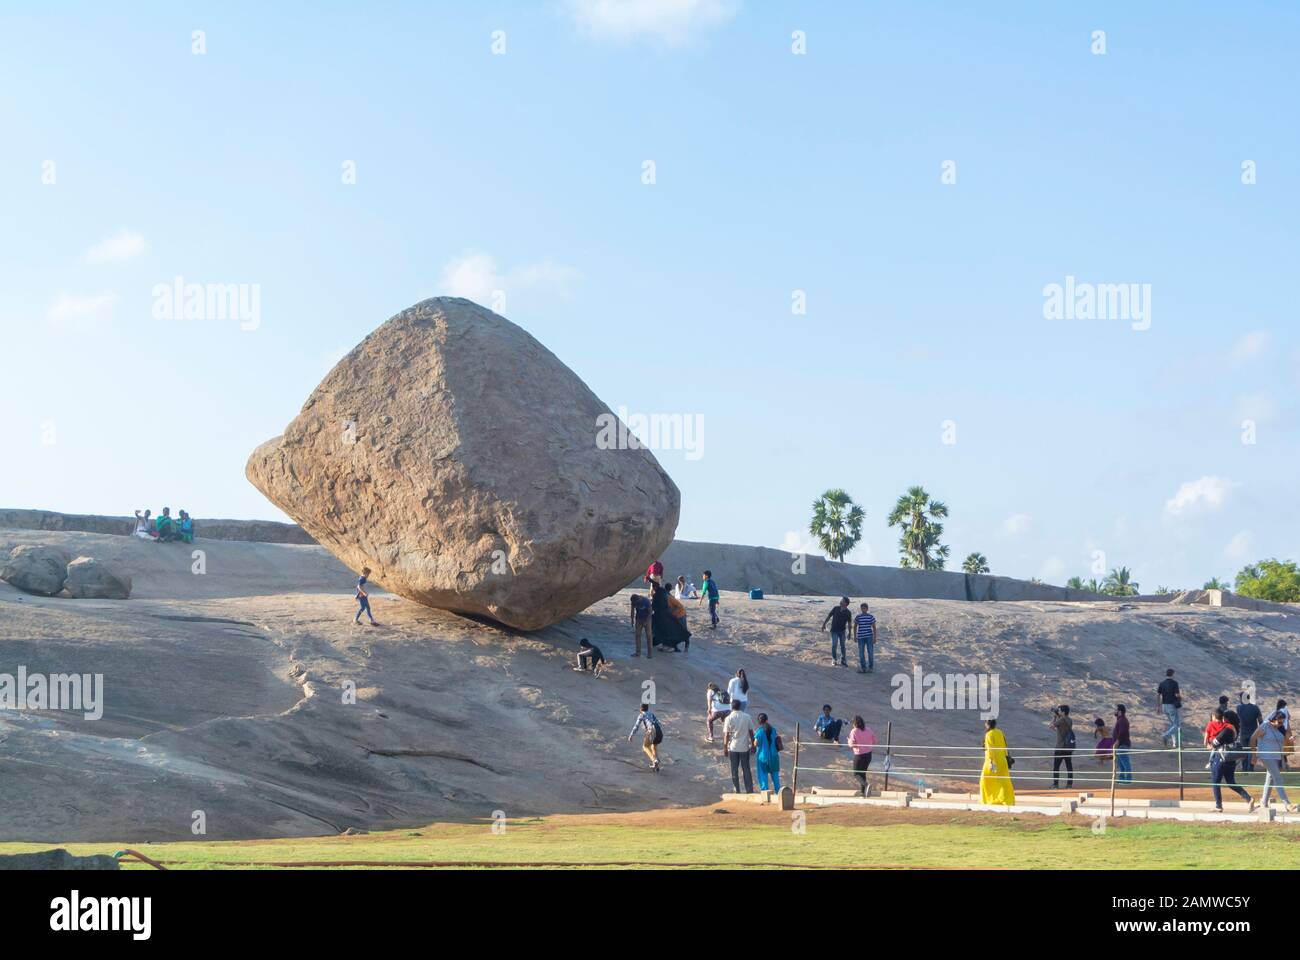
[36,568]
[90,579]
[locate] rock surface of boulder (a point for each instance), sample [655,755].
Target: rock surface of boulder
[89,579]
[36,569]
[471,470]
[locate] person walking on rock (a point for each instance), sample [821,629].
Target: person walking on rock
[866,634]
[839,618]
[641,610]
[654,735]
[709,591]
[1170,700]
[363,598]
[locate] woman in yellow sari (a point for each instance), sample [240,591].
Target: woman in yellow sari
[995,775]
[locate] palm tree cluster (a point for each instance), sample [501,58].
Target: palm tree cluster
[1118,583]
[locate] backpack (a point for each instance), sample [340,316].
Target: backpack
[711,589]
[659,731]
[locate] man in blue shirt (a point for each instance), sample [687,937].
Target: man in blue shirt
[865,624]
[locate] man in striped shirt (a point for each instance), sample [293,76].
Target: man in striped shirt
[866,633]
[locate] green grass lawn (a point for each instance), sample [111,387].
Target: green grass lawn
[1028,842]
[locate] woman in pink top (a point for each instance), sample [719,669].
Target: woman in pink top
[861,740]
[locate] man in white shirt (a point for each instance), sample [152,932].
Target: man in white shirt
[738,737]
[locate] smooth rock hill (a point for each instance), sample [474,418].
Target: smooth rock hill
[230,693]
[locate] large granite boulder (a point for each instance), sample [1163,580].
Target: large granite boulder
[470,469]
[90,579]
[36,568]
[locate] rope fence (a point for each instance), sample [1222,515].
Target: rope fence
[1107,772]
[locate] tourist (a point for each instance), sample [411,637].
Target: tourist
[861,740]
[186,528]
[654,735]
[839,618]
[827,726]
[143,525]
[678,611]
[1250,716]
[995,774]
[738,689]
[1266,747]
[716,708]
[666,628]
[1229,714]
[641,609]
[164,527]
[1289,743]
[363,598]
[589,653]
[654,572]
[866,635]
[1105,742]
[1220,737]
[684,589]
[738,741]
[1065,744]
[1123,744]
[709,591]
[767,754]
[1218,725]
[1170,701]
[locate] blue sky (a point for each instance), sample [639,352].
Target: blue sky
[774,171]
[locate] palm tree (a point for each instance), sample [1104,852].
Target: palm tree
[1092,585]
[1119,583]
[919,544]
[1214,583]
[836,523]
[975,563]
[1075,583]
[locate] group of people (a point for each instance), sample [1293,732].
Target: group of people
[164,528]
[1239,737]
[661,617]
[841,619]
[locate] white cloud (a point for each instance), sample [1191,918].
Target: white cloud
[68,308]
[799,543]
[1053,570]
[477,276]
[1016,524]
[1209,492]
[1250,346]
[670,22]
[1240,547]
[1258,407]
[123,245]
